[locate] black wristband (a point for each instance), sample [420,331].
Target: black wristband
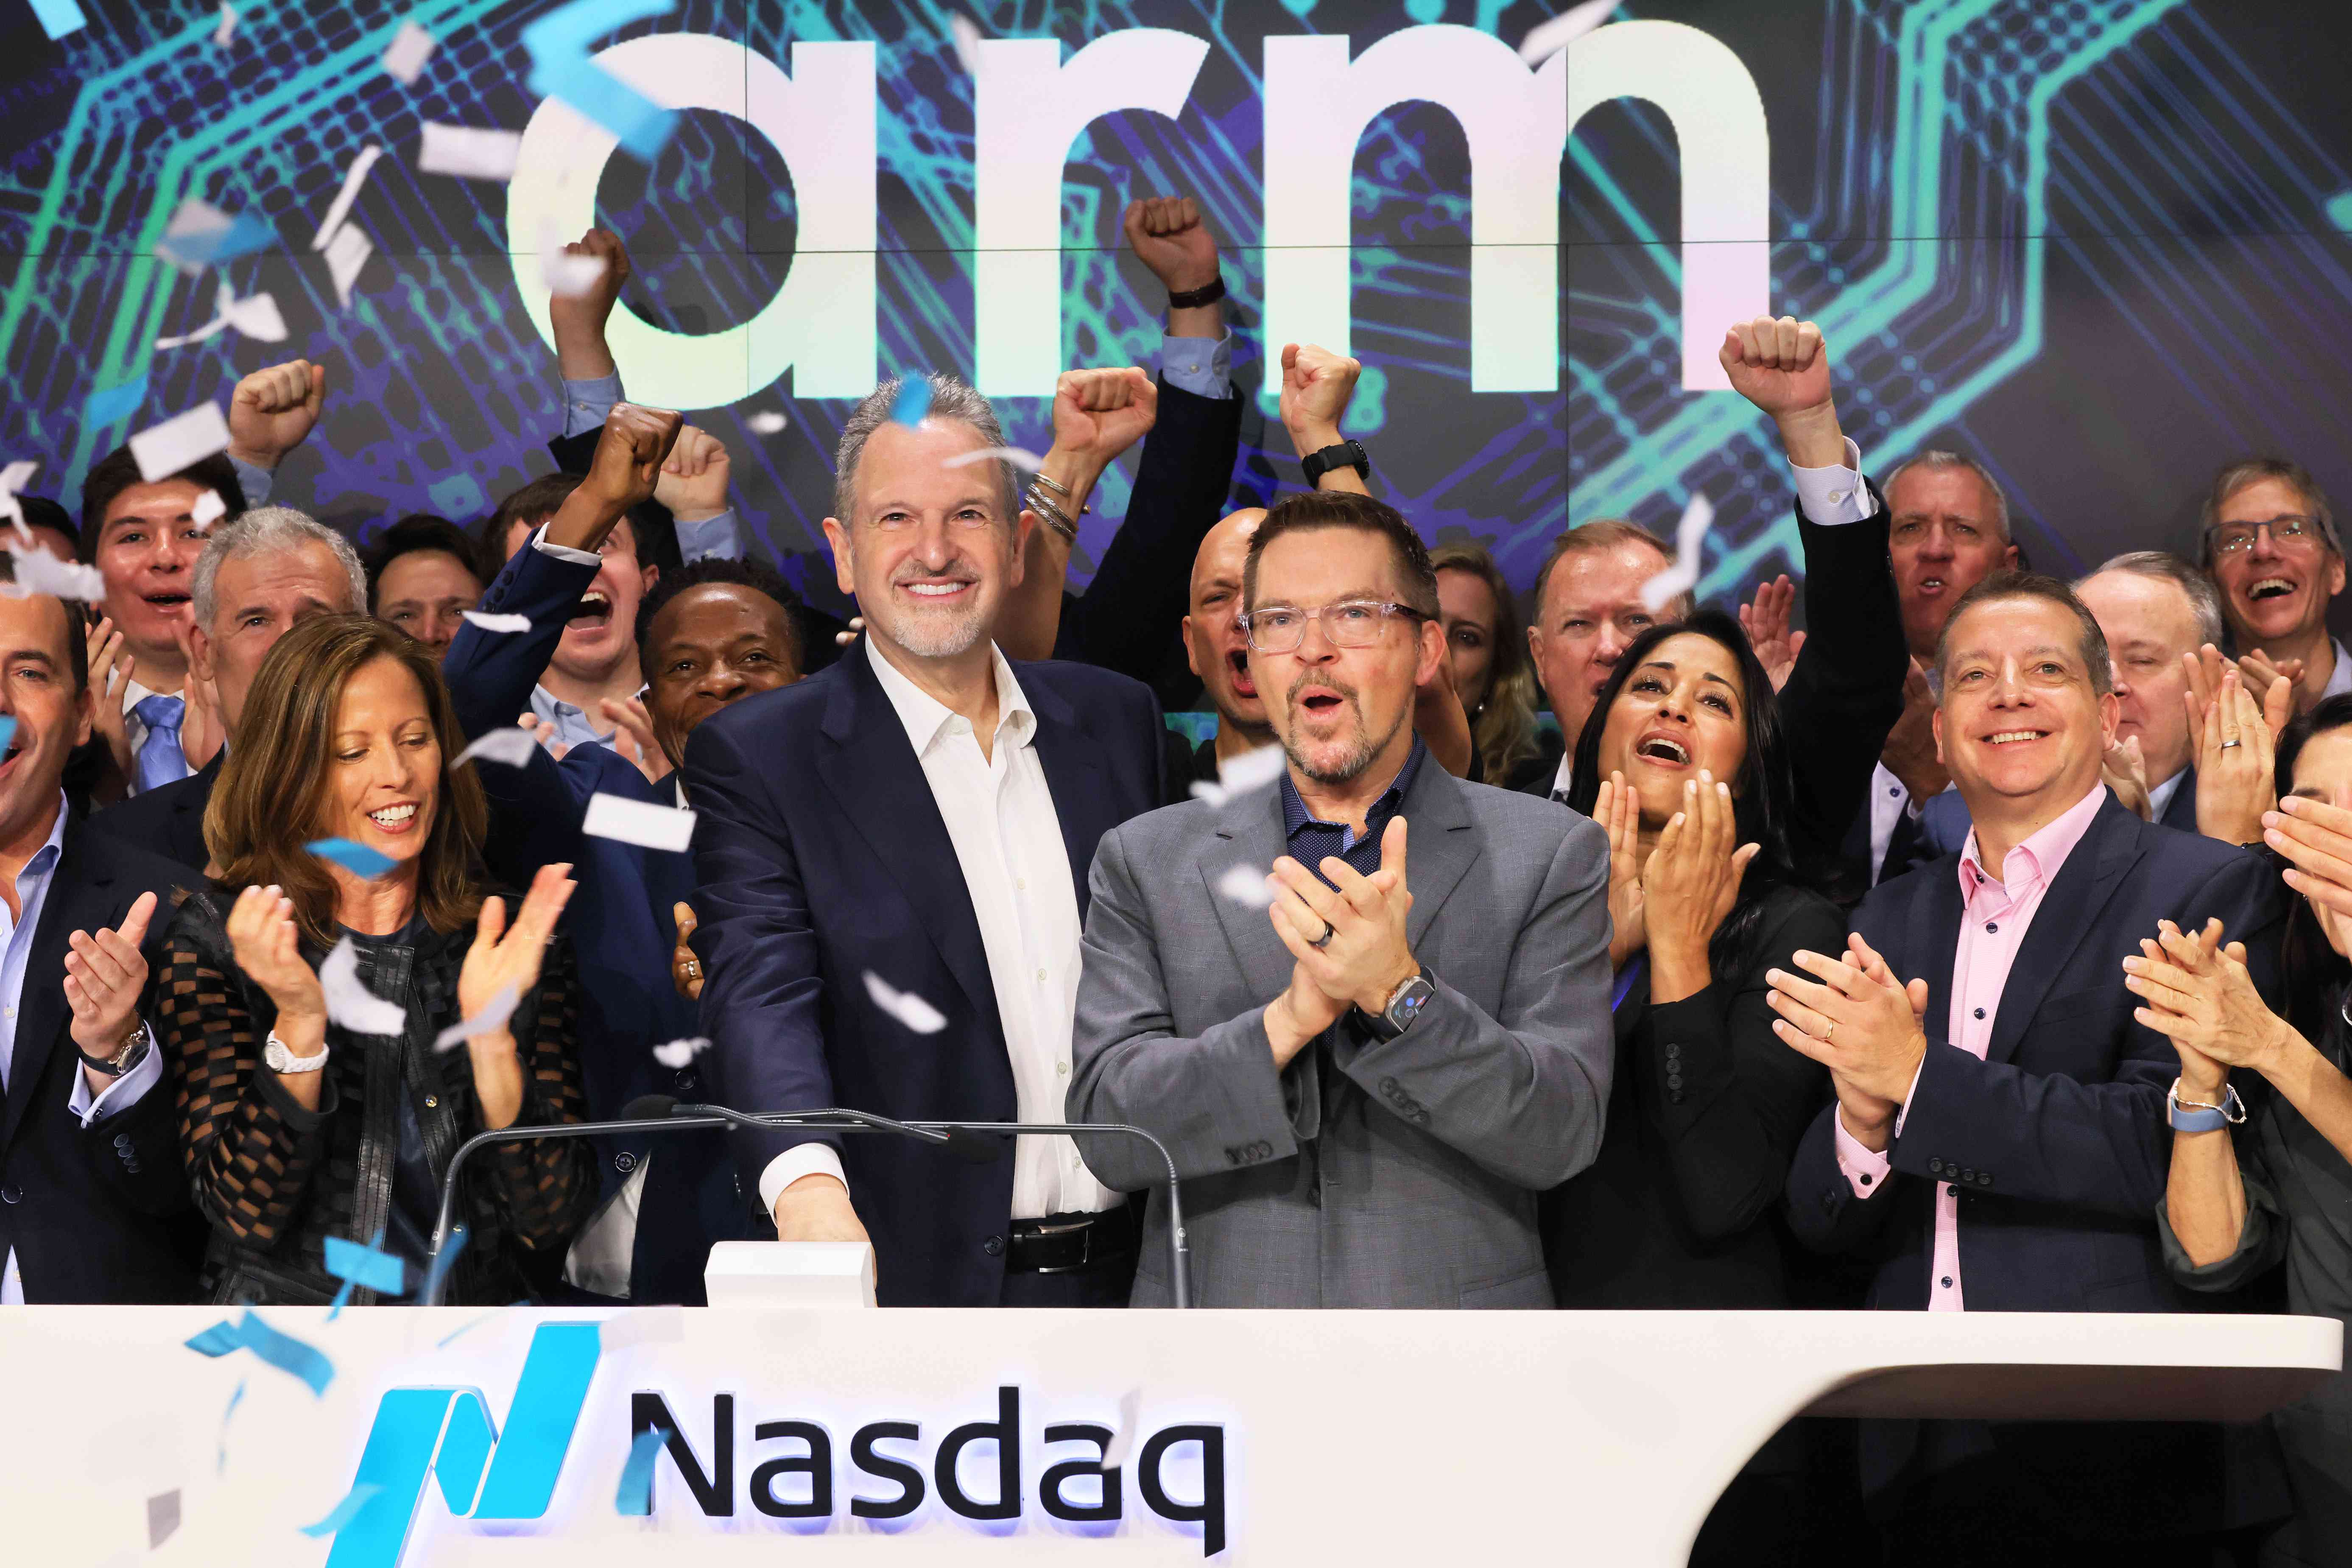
[1193,297]
[1345,455]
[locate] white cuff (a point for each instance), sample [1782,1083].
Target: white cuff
[1831,496]
[123,1092]
[565,552]
[803,1160]
[1903,1111]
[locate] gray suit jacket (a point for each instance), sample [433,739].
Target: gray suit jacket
[1366,1174]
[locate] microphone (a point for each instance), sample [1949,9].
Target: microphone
[975,1142]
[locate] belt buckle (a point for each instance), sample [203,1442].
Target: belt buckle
[1085,1230]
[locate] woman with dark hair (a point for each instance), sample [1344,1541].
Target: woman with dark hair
[1684,762]
[1493,672]
[300,1121]
[2268,1177]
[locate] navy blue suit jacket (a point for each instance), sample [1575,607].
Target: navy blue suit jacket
[822,859]
[2058,1146]
[619,920]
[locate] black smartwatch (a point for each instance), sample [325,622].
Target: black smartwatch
[1345,455]
[1404,1005]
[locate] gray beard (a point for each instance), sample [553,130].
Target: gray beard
[1353,764]
[927,637]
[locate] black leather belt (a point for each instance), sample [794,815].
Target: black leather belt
[1067,1243]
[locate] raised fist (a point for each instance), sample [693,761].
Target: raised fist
[579,319]
[1099,413]
[274,410]
[629,455]
[1315,387]
[1167,235]
[1781,365]
[693,482]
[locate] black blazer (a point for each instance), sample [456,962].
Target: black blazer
[1682,1208]
[101,1215]
[170,821]
[2058,1147]
[822,857]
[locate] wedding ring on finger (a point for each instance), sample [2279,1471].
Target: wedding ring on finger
[1321,943]
[2227,745]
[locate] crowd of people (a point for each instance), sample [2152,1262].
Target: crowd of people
[1980,946]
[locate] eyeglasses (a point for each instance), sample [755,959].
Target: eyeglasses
[2236,538]
[1351,622]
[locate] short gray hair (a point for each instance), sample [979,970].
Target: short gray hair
[2204,597]
[951,398]
[1934,461]
[268,530]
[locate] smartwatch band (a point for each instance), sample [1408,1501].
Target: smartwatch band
[1191,298]
[1345,455]
[2197,1116]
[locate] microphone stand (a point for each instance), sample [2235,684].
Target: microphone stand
[830,1119]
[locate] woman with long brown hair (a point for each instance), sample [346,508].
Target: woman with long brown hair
[297,1121]
[1491,671]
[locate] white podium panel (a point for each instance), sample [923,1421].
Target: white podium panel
[454,1437]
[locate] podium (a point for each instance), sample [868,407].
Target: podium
[500,1437]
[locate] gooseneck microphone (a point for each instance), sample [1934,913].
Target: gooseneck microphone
[977,1142]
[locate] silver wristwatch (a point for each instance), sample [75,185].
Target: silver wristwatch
[278,1058]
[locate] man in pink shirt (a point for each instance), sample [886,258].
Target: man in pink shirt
[1998,1139]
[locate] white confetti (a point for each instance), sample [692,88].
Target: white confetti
[12,479]
[570,277]
[767,422]
[1690,536]
[163,450]
[209,510]
[256,318]
[1021,457]
[509,745]
[966,34]
[352,1003]
[1122,1442]
[468,152]
[403,59]
[490,623]
[1548,38]
[905,1005]
[354,178]
[35,571]
[675,1054]
[637,822]
[1245,885]
[1253,770]
[347,253]
[227,28]
[489,1021]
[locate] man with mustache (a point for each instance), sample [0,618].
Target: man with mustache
[915,822]
[2271,545]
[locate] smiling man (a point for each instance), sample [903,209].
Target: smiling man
[1367,1074]
[2271,545]
[1998,1138]
[917,820]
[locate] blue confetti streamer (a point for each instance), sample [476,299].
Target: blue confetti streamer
[914,400]
[442,1343]
[59,17]
[234,1399]
[114,404]
[284,1351]
[357,858]
[357,1263]
[636,1495]
[354,1501]
[244,234]
[342,1298]
[558,44]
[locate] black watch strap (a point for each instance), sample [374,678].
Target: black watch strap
[1191,298]
[1345,455]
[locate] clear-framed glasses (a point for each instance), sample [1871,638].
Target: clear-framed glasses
[2288,533]
[1350,623]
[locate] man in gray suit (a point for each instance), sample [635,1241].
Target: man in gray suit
[1366,1081]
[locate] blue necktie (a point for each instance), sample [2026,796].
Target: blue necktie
[161,761]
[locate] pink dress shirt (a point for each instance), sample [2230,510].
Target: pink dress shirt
[1995,915]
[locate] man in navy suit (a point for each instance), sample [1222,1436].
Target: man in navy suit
[918,822]
[1997,1141]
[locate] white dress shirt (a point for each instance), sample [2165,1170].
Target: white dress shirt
[2159,797]
[1000,816]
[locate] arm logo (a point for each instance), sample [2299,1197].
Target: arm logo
[447,1433]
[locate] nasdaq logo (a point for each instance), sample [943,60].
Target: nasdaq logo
[446,1433]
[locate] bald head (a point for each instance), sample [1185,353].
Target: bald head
[1215,644]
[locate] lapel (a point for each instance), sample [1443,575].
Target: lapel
[2180,811]
[1083,801]
[80,897]
[1441,845]
[2069,912]
[1932,938]
[875,780]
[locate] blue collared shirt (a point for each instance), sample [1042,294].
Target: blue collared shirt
[1310,840]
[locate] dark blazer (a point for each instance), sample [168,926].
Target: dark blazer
[1681,1208]
[2058,1146]
[618,919]
[99,1213]
[1944,822]
[1129,617]
[822,859]
[1846,691]
[170,821]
